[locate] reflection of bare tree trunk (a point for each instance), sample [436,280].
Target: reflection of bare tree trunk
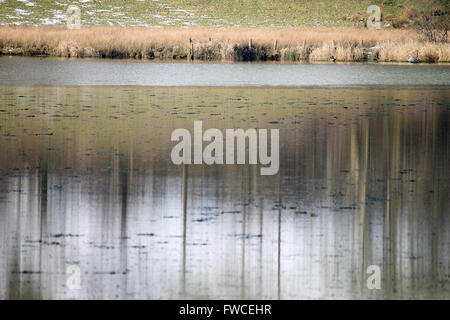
[15,280]
[435,223]
[244,222]
[359,157]
[184,175]
[257,191]
[354,168]
[332,140]
[123,173]
[391,223]
[386,247]
[362,186]
[43,176]
[279,232]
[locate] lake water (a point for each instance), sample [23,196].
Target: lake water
[87,184]
[51,71]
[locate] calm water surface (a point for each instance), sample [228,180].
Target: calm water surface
[48,71]
[86,180]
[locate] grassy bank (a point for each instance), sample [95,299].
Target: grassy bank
[211,13]
[292,44]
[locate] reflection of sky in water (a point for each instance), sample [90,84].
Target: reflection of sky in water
[58,72]
[362,183]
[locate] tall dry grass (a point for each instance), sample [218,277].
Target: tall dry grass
[424,51]
[342,51]
[215,43]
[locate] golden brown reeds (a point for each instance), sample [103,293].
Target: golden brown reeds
[216,43]
[424,51]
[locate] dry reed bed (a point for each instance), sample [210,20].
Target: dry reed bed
[293,44]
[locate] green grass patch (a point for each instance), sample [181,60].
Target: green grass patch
[218,13]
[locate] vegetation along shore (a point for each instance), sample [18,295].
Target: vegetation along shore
[233,44]
[272,31]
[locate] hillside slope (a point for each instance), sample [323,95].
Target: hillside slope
[217,13]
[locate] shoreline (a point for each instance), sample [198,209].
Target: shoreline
[227,45]
[186,61]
